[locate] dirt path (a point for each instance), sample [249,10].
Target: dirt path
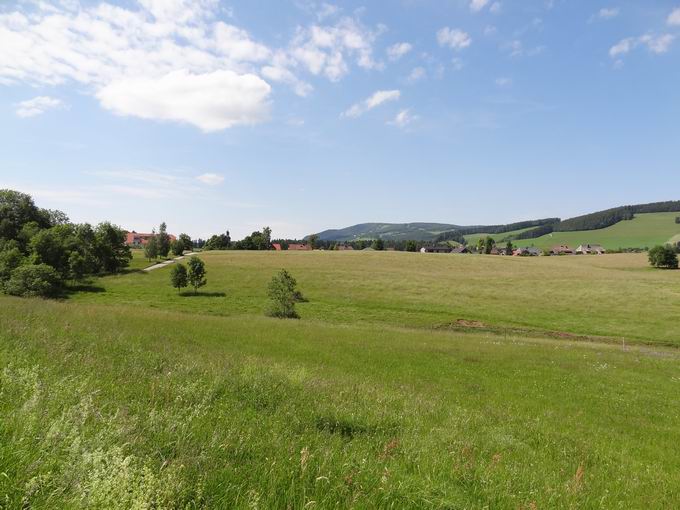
[167,262]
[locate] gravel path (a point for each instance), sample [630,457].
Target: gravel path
[168,262]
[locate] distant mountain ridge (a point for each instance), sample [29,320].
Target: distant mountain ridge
[531,229]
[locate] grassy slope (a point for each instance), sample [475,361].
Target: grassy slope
[121,407]
[613,295]
[473,238]
[645,230]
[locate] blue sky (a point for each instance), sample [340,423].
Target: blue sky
[307,115]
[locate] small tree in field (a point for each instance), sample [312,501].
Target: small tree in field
[663,257]
[151,248]
[283,295]
[196,273]
[177,248]
[179,277]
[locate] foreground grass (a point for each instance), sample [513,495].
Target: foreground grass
[613,296]
[122,407]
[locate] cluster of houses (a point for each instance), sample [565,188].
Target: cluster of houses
[531,251]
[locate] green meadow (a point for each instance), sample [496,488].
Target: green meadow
[644,230]
[411,381]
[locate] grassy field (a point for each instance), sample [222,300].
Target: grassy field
[609,296]
[645,230]
[132,396]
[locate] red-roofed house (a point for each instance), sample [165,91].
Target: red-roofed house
[299,247]
[276,246]
[136,240]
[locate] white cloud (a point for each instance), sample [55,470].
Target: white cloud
[403,119]
[210,179]
[178,49]
[674,17]
[284,75]
[608,13]
[655,43]
[478,5]
[37,106]
[490,30]
[496,8]
[326,49]
[453,38]
[503,82]
[396,51]
[211,101]
[378,98]
[417,74]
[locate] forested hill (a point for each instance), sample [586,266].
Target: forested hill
[530,229]
[388,232]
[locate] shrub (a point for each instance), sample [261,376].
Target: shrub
[33,280]
[663,257]
[178,277]
[196,274]
[283,295]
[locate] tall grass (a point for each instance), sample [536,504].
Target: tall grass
[122,407]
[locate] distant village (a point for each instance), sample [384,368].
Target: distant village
[139,240]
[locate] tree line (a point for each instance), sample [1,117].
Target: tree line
[41,250]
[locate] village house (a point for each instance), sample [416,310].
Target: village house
[531,251]
[136,240]
[589,249]
[276,246]
[460,249]
[561,249]
[435,249]
[299,247]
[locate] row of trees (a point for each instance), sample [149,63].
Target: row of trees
[40,250]
[195,276]
[160,244]
[258,240]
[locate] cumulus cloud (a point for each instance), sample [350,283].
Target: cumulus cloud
[403,119]
[172,50]
[674,17]
[655,43]
[396,51]
[453,38]
[211,101]
[37,106]
[378,98]
[503,82]
[211,179]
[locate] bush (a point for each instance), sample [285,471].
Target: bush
[34,280]
[663,257]
[283,295]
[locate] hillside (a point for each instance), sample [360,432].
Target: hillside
[388,231]
[629,226]
[643,231]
